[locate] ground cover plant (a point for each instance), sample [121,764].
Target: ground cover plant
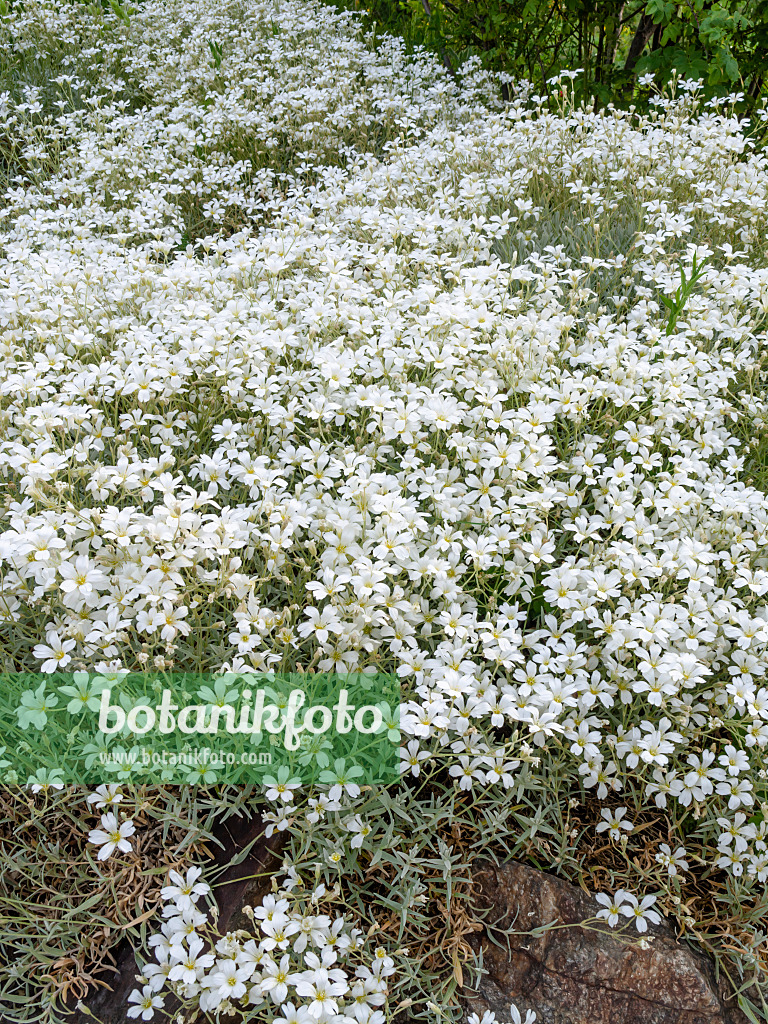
[315,358]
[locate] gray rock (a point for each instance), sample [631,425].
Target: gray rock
[577,975]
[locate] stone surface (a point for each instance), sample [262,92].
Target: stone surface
[574,975]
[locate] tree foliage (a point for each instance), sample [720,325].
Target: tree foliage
[615,42]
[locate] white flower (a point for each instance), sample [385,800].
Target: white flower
[488,1017]
[281,787]
[611,906]
[54,652]
[185,891]
[517,1017]
[614,822]
[672,861]
[292,1014]
[360,830]
[112,835]
[187,966]
[146,1003]
[640,912]
[733,760]
[107,795]
[82,581]
[322,988]
[228,980]
[276,978]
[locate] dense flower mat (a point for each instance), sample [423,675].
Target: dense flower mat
[312,358]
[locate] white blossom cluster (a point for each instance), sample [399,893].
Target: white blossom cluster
[350,435]
[301,967]
[489,1017]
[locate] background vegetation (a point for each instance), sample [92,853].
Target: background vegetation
[615,42]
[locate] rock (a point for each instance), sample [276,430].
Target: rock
[576,975]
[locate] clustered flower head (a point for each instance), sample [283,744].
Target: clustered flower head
[385,417]
[301,965]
